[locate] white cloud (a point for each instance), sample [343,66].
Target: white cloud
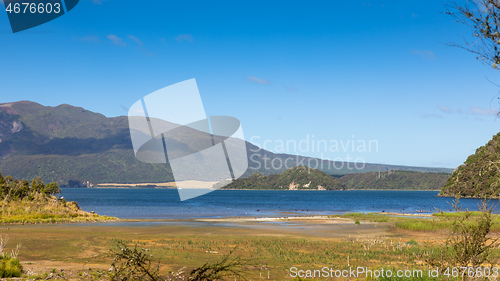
[425,54]
[481,111]
[258,80]
[136,40]
[444,108]
[184,37]
[116,40]
[290,89]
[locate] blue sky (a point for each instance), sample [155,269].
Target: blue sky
[290,71]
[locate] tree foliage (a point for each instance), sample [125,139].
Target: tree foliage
[469,243]
[13,189]
[469,238]
[483,17]
[396,180]
[299,177]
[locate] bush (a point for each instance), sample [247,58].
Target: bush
[10,267]
[136,264]
[469,242]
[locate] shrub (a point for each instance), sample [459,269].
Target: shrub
[137,264]
[469,242]
[10,267]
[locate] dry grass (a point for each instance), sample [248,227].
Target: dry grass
[45,209]
[269,251]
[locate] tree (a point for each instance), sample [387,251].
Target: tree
[483,16]
[51,188]
[469,243]
[469,238]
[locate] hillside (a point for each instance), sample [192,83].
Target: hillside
[68,144]
[479,175]
[298,178]
[407,180]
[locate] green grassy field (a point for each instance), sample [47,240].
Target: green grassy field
[435,222]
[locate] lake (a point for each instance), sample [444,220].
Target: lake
[165,204]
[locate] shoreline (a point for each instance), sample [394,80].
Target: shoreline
[164,186]
[337,218]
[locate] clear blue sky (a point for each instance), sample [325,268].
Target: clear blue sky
[331,70]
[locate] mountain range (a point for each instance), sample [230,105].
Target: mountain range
[71,145]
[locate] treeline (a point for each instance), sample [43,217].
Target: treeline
[14,189]
[297,178]
[395,180]
[303,178]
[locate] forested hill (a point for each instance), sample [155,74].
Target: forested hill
[406,180]
[479,175]
[298,178]
[303,178]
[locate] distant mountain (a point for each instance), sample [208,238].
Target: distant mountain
[479,175]
[297,178]
[408,180]
[69,144]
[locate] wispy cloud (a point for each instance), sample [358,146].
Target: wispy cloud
[116,40]
[444,108]
[136,40]
[464,113]
[184,37]
[482,111]
[290,89]
[258,80]
[425,54]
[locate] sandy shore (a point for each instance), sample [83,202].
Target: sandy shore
[191,184]
[325,219]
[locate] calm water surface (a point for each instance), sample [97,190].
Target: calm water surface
[165,203]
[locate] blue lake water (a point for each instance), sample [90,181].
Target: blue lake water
[165,203]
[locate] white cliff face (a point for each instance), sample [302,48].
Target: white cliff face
[16,127]
[293,186]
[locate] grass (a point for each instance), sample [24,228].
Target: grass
[268,251]
[45,209]
[437,222]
